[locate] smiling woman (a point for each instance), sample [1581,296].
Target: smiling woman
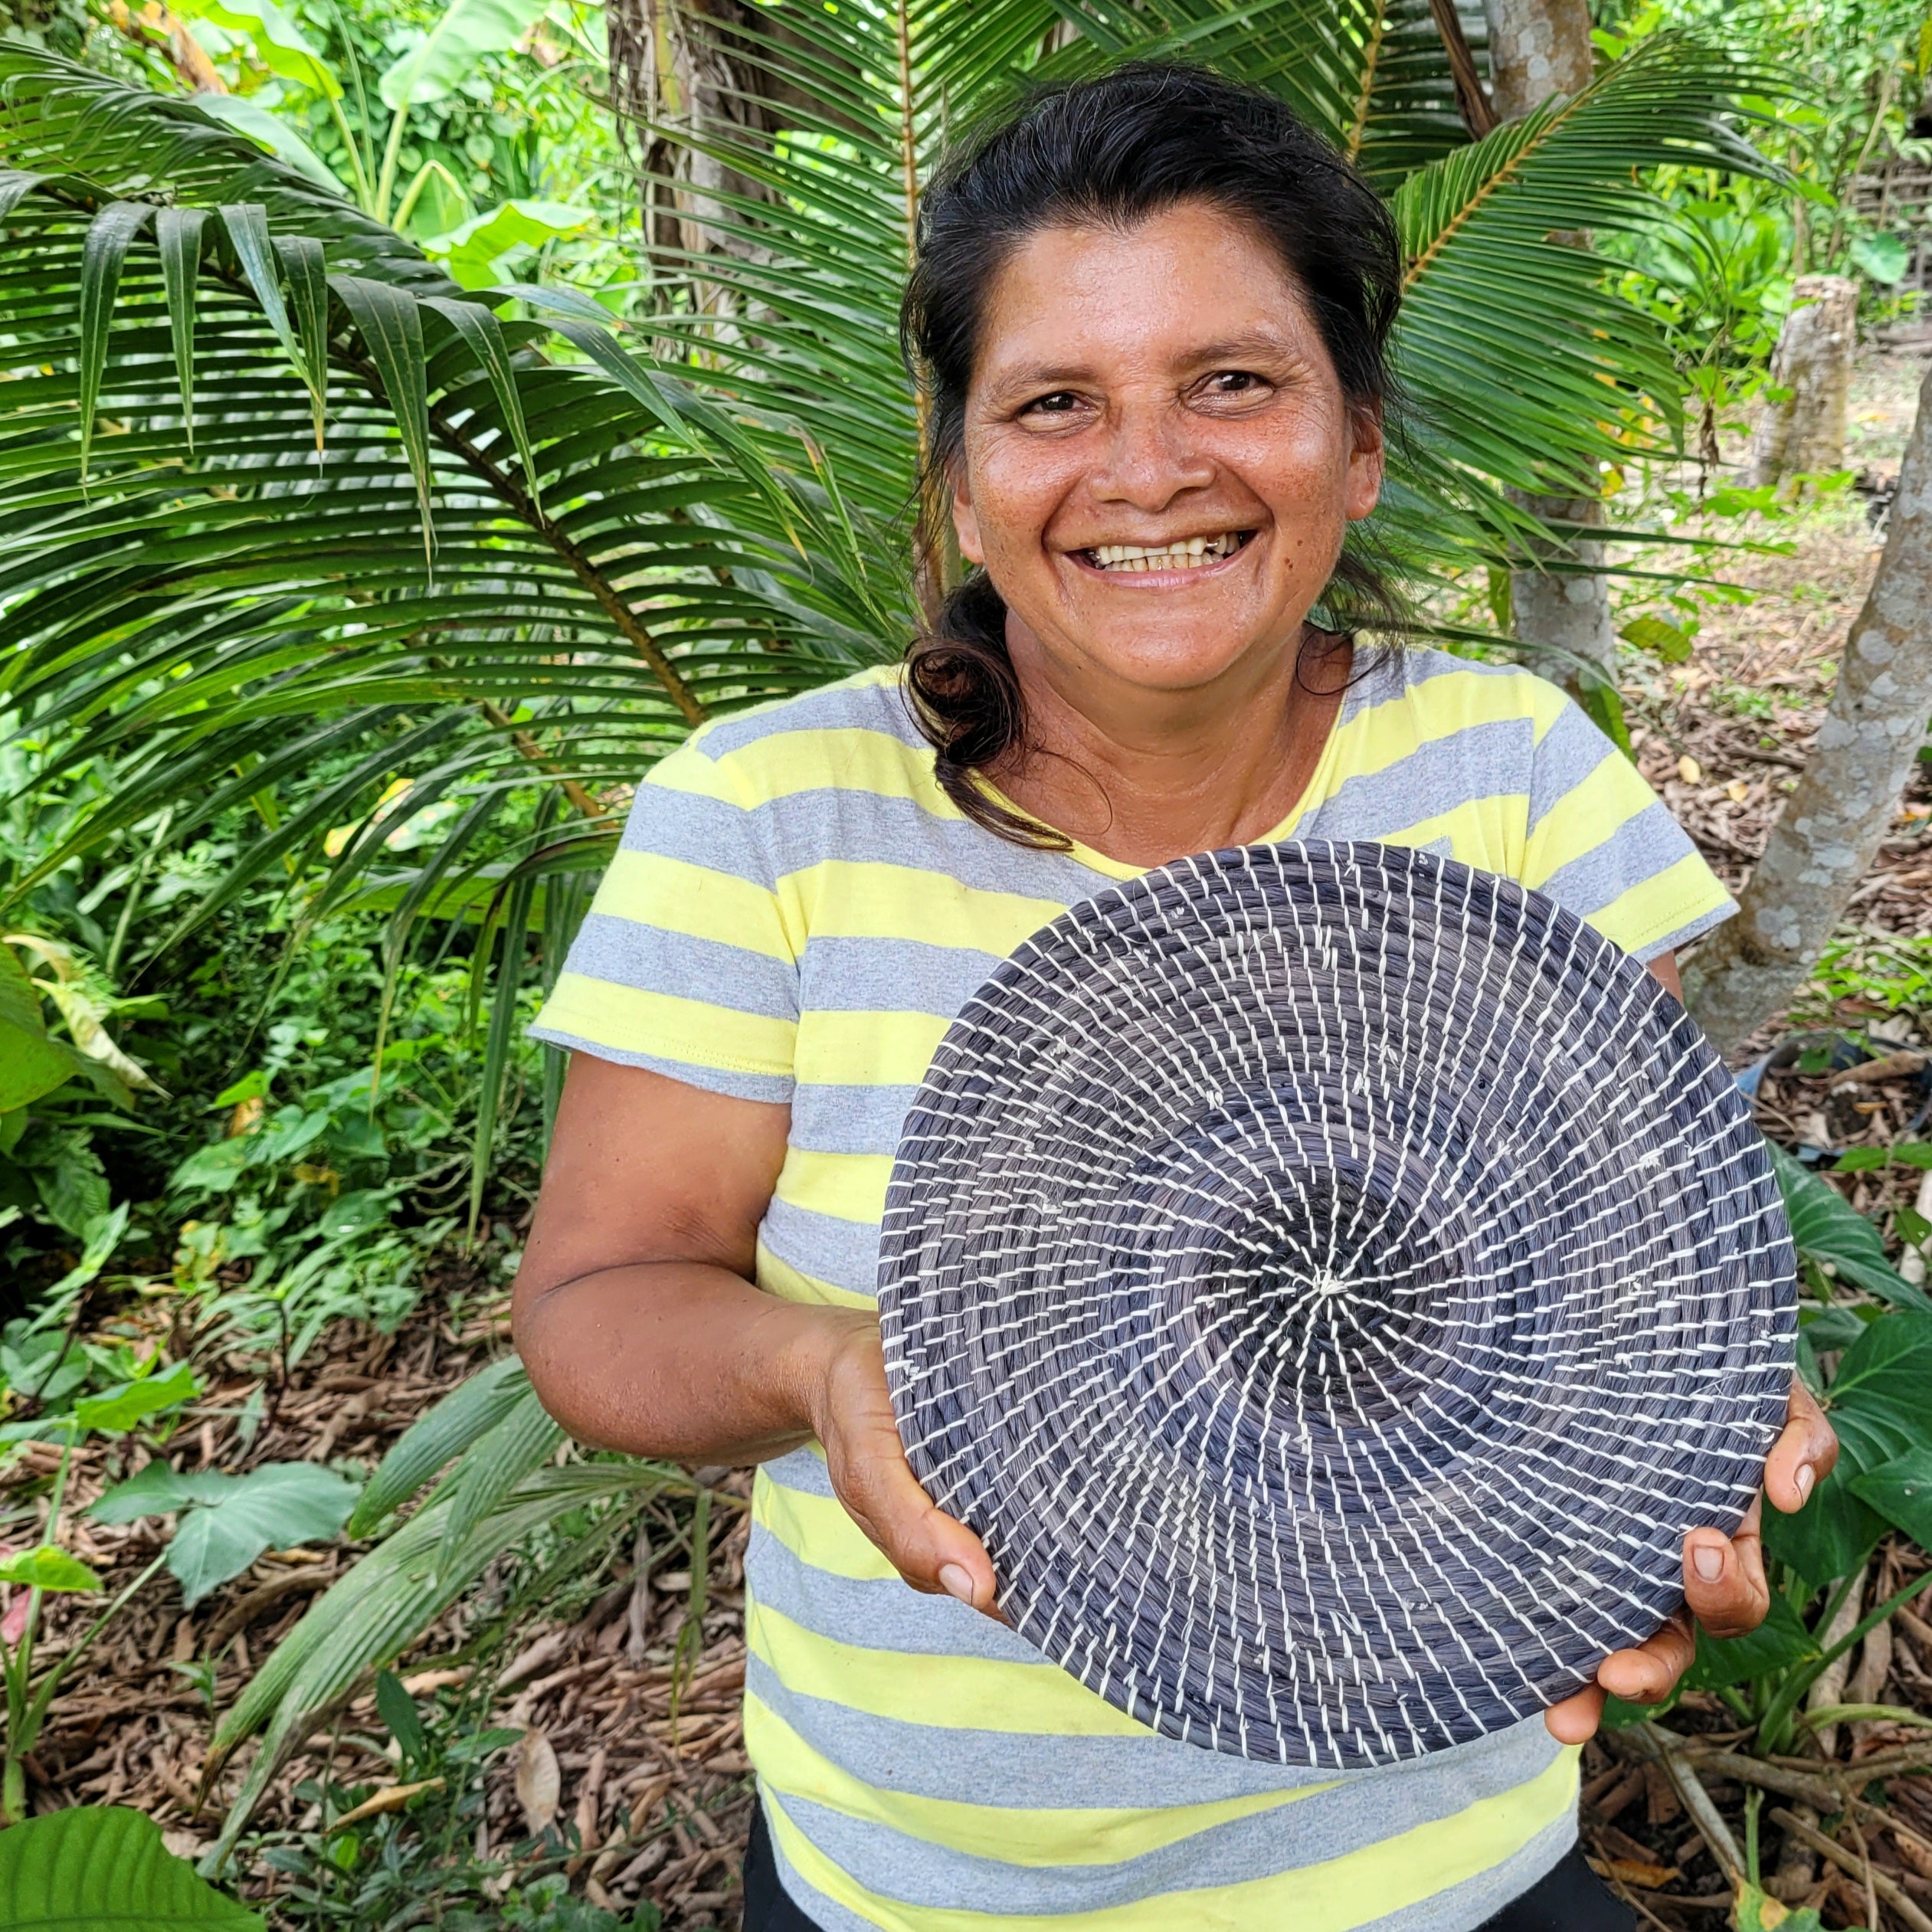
[1149,315]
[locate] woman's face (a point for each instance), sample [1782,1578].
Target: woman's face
[1159,463]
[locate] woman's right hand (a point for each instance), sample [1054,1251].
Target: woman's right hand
[851,1414]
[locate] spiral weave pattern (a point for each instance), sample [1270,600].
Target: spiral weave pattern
[1331,1280]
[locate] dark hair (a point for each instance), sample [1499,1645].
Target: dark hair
[1112,151]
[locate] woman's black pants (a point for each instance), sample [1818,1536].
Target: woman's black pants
[1570,1899]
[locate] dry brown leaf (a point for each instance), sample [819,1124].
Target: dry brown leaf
[539,1783]
[1689,770]
[1633,1872]
[392,1797]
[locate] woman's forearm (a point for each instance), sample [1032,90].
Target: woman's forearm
[679,1359]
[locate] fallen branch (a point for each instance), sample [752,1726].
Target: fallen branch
[1888,1889]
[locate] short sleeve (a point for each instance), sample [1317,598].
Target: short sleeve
[683,964]
[1602,844]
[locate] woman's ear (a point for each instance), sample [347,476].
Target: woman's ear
[965,523]
[1366,456]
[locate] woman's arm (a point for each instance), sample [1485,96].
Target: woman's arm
[636,1319]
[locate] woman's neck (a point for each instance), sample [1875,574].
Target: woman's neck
[1145,776]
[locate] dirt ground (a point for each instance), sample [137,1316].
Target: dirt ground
[662,1804]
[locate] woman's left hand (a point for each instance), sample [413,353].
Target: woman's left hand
[1723,1579]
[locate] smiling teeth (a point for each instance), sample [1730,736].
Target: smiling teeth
[1187,554]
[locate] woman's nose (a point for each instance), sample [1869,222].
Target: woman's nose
[1151,458]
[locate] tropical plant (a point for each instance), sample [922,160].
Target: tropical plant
[79,1870]
[283,490]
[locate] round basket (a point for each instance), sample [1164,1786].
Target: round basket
[1332,1280]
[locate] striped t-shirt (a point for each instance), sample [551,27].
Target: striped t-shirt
[796,913]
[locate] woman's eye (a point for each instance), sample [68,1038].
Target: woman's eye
[1232,382]
[1062,402]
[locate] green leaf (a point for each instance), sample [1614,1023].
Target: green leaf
[1825,1227]
[464,32]
[392,331]
[1779,1641]
[277,1507]
[246,222]
[120,1409]
[48,1567]
[303,265]
[31,1065]
[1668,641]
[1876,1404]
[1861,1160]
[1901,1492]
[93,1867]
[1914,1153]
[482,334]
[178,233]
[473,249]
[397,1710]
[468,1412]
[109,237]
[248,116]
[1757,1911]
[278,43]
[157,1490]
[1884,257]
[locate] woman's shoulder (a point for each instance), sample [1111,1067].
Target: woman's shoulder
[853,734]
[1440,688]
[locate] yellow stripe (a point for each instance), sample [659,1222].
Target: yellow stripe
[1485,832]
[790,1284]
[1333,1896]
[851,1186]
[649,890]
[843,898]
[631,1021]
[817,1529]
[959,1693]
[1382,735]
[1583,819]
[870,1050]
[1088,1835]
[845,758]
[1659,906]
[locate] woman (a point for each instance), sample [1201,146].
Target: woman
[1149,316]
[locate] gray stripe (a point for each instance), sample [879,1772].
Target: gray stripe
[1682,937]
[1044,1771]
[1573,750]
[844,1253]
[1312,1830]
[659,960]
[827,1119]
[777,1088]
[1462,1908]
[1477,762]
[801,1469]
[892,976]
[844,706]
[1640,848]
[881,1614]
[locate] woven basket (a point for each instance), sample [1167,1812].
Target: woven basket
[1331,1280]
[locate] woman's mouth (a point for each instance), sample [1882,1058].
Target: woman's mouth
[1188,553]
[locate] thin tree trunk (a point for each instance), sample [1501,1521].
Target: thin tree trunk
[1824,842]
[1538,48]
[1801,429]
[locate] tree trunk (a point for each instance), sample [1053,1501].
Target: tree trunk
[1538,48]
[1824,840]
[1804,433]
[1569,608]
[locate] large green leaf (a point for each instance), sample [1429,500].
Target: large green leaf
[115,1410]
[228,1521]
[1877,1404]
[31,1064]
[1826,1229]
[464,32]
[48,1567]
[103,1868]
[1778,1642]
[1901,1491]
[468,1412]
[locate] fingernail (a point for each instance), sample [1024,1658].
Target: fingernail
[1806,1477]
[956,1581]
[1708,1560]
